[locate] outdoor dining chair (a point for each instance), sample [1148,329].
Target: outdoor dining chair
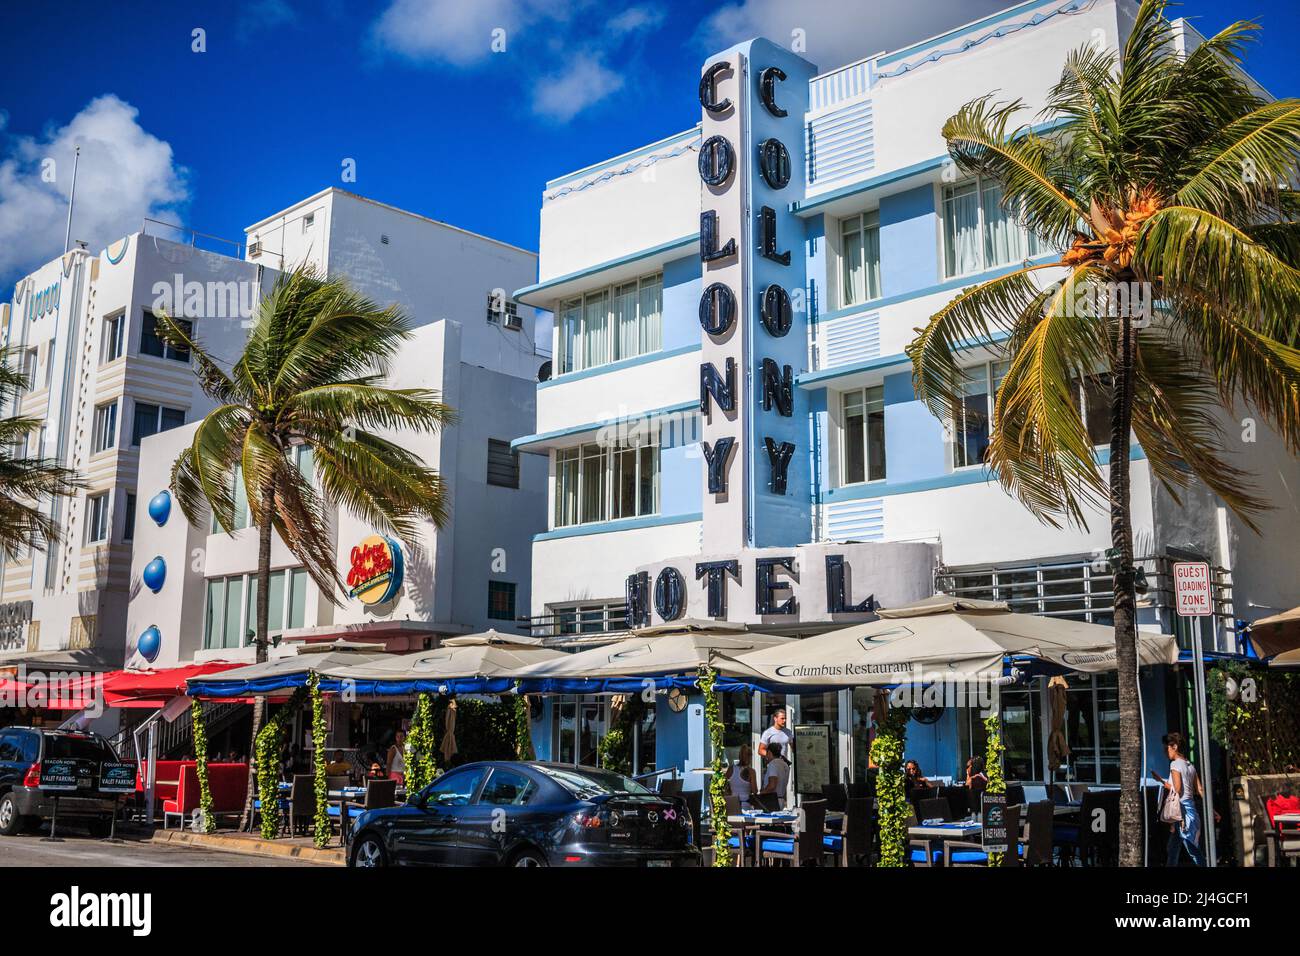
[863,788]
[921,852]
[379,794]
[765,801]
[934,808]
[695,806]
[337,782]
[1042,819]
[962,853]
[1015,794]
[1097,835]
[1283,843]
[302,802]
[805,846]
[958,802]
[836,795]
[860,831]
[670,787]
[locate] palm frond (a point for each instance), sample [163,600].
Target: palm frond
[216,384]
[304,527]
[1239,171]
[365,404]
[203,476]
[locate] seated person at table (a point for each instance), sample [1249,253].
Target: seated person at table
[975,776]
[741,779]
[338,767]
[776,778]
[377,772]
[913,779]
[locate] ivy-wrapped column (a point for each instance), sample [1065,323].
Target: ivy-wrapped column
[270,740]
[201,766]
[993,765]
[523,730]
[421,767]
[887,755]
[718,779]
[320,783]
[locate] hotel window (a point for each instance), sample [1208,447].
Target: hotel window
[501,601]
[128,523]
[104,436]
[152,419]
[152,344]
[978,234]
[29,369]
[972,426]
[864,435]
[622,321]
[240,492]
[587,618]
[304,457]
[596,483]
[96,518]
[859,259]
[114,329]
[502,464]
[231,610]
[1092,395]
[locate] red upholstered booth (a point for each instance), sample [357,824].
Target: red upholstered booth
[180,794]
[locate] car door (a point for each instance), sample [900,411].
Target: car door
[492,824]
[425,835]
[12,769]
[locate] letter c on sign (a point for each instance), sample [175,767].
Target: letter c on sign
[709,88]
[767,89]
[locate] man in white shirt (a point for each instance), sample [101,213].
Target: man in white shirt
[776,777]
[777,733]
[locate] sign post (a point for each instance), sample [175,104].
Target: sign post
[59,776]
[1194,598]
[116,777]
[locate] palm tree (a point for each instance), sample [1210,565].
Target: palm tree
[310,375]
[25,481]
[1163,174]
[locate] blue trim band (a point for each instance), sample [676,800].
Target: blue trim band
[618,366]
[672,244]
[621,524]
[528,440]
[953,479]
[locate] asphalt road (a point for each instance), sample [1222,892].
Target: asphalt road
[78,850]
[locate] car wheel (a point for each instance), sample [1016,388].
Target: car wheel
[369,853]
[11,820]
[528,858]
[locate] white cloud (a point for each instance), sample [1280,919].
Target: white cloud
[265,15]
[458,32]
[840,31]
[125,174]
[636,18]
[585,81]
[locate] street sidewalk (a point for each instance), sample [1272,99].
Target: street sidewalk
[252,844]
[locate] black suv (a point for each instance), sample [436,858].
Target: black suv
[23,805]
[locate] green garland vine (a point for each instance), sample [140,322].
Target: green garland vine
[717,780]
[523,729]
[320,784]
[421,768]
[201,766]
[887,755]
[993,765]
[270,740]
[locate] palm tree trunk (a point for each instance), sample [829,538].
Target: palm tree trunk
[261,639]
[1121,532]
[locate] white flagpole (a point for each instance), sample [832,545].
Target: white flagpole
[72,196]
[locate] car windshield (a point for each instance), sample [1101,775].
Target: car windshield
[64,747]
[585,782]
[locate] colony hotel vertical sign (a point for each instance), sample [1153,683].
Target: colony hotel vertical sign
[752,314]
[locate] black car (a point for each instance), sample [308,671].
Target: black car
[23,805]
[517,813]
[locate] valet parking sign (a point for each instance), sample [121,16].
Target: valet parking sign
[1193,589]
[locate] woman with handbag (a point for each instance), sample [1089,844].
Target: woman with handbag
[1179,808]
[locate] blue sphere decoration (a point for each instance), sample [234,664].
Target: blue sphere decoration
[155,573]
[160,507]
[150,643]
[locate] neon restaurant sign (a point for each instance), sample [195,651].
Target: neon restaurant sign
[376,570]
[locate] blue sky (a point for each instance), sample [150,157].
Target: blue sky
[436,120]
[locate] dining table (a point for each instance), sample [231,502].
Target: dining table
[753,820]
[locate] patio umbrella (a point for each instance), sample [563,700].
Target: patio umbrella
[448,747]
[1288,659]
[1058,751]
[661,651]
[940,639]
[1276,634]
[472,663]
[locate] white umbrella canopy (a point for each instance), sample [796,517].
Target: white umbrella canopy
[461,660]
[326,660]
[939,639]
[677,648]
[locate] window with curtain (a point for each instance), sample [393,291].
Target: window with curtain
[973,425]
[599,483]
[619,322]
[864,435]
[860,259]
[231,610]
[978,233]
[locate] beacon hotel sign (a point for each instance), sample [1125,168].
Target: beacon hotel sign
[753,313]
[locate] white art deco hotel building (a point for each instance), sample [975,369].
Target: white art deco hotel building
[731,427]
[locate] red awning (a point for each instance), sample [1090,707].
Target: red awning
[150,689]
